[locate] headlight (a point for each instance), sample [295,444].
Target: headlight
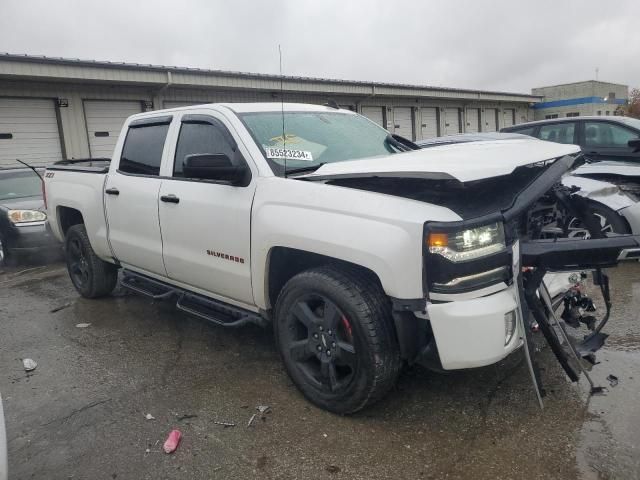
[468,244]
[26,216]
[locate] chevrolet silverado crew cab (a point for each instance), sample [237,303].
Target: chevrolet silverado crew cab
[363,251]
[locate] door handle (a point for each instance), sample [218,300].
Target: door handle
[112,191]
[171,198]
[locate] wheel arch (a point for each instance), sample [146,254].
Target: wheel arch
[283,263]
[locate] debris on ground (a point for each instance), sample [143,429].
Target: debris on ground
[253,417]
[61,307]
[148,416]
[29,364]
[186,417]
[263,408]
[225,424]
[613,380]
[172,441]
[332,468]
[83,325]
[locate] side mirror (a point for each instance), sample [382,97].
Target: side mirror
[213,166]
[635,144]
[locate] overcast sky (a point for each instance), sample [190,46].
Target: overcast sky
[505,45]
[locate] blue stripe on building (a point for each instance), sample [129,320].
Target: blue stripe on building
[578,101]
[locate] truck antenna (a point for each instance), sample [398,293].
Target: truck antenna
[32,168]
[284,138]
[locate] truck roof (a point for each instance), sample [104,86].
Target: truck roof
[255,107]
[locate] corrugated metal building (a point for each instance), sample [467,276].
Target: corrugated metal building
[580,98]
[55,108]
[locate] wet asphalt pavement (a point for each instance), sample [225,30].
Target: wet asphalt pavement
[81,413]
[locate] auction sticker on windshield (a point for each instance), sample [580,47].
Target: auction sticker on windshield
[288,154]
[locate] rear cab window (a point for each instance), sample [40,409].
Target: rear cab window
[143,146]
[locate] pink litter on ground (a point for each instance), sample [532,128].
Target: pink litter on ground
[172,441]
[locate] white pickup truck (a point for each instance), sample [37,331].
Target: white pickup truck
[362,251]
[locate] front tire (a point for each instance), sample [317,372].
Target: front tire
[6,259]
[92,277]
[335,334]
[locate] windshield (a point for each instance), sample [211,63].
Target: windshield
[19,184]
[314,138]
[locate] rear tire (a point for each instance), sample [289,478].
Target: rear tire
[92,277]
[335,334]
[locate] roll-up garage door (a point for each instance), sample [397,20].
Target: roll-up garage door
[403,122]
[429,123]
[508,115]
[374,114]
[29,132]
[472,120]
[490,120]
[104,122]
[451,121]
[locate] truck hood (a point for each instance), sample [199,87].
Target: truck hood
[23,203]
[465,162]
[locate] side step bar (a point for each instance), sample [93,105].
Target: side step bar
[215,311]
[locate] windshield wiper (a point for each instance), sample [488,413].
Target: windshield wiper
[310,168]
[401,143]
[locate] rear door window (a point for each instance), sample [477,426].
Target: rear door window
[142,151]
[558,132]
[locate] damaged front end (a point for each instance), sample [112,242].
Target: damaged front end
[486,277]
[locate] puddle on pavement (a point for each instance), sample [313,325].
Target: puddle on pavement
[609,445]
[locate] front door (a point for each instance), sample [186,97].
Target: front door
[206,225]
[131,198]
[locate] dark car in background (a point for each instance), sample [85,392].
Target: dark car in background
[23,221]
[600,138]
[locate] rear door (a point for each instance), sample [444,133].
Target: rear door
[131,196]
[206,225]
[608,140]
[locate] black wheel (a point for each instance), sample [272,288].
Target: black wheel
[335,334]
[609,221]
[91,276]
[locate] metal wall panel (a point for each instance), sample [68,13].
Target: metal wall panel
[429,122]
[28,131]
[104,120]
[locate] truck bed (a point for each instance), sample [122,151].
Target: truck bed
[88,165]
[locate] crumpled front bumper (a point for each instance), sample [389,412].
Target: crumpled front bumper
[473,333]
